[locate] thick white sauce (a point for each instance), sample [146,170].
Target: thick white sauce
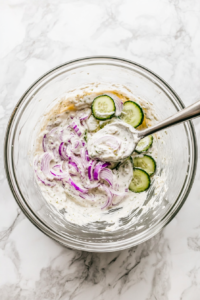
[114,142]
[57,125]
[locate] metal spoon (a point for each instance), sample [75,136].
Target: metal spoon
[185,114]
[135,135]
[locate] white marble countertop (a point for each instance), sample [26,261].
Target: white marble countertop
[37,35]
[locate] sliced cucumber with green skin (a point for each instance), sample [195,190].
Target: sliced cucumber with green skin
[140,181]
[132,114]
[103,107]
[144,144]
[146,163]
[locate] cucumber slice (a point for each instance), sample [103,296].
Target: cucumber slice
[103,107]
[132,114]
[140,181]
[145,162]
[144,144]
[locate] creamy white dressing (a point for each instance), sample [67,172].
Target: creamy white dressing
[92,123]
[79,210]
[114,142]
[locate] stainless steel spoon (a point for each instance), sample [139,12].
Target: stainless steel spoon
[185,114]
[135,135]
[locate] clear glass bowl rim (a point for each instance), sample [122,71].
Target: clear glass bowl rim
[69,242]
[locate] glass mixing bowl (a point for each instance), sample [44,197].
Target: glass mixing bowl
[177,154]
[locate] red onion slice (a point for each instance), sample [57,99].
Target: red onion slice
[80,189]
[92,185]
[76,129]
[56,154]
[45,165]
[77,160]
[109,195]
[40,177]
[59,176]
[118,104]
[58,168]
[107,175]
[91,168]
[96,172]
[62,151]
[53,130]
[84,118]
[44,143]
[73,164]
[58,173]
[76,144]
[99,167]
[86,155]
[44,181]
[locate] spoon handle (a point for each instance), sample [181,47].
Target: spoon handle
[185,114]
